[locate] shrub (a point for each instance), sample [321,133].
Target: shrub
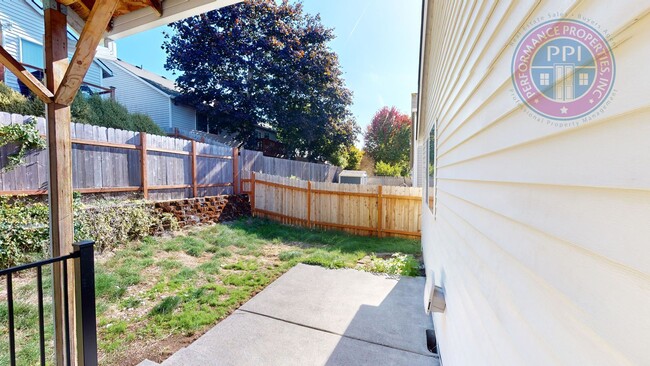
[390,170]
[109,113]
[24,226]
[348,158]
[12,101]
[400,264]
[25,137]
[143,123]
[354,158]
[93,110]
[111,225]
[23,231]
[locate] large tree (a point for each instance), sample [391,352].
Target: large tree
[387,138]
[260,62]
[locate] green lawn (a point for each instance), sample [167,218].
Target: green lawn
[159,294]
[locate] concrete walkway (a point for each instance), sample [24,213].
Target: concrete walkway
[315,316]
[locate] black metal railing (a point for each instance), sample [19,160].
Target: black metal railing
[84,268]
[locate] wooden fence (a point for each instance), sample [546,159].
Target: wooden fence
[107,160]
[255,161]
[389,181]
[359,209]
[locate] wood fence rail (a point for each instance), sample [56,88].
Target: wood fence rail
[359,209]
[107,160]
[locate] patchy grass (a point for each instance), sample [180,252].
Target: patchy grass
[158,295]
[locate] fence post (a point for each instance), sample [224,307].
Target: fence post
[193,162]
[86,319]
[379,211]
[252,197]
[143,165]
[309,204]
[235,171]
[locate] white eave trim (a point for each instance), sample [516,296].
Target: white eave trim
[173,10]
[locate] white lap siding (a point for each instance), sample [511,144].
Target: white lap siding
[541,235]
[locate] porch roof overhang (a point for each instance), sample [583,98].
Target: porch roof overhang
[135,16]
[96,20]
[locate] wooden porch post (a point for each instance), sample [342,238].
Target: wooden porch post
[60,167]
[235,171]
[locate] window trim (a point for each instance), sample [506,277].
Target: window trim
[431,188]
[22,39]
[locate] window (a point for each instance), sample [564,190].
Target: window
[584,78]
[31,53]
[544,78]
[431,151]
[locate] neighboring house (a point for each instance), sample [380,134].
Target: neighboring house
[142,91]
[539,230]
[21,34]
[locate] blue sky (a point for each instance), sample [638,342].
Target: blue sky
[377,42]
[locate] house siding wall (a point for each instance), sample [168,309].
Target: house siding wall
[139,97]
[27,23]
[540,233]
[183,117]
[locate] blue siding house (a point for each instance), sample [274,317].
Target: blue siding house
[21,34]
[142,91]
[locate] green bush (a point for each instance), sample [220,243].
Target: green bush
[93,110]
[12,101]
[143,123]
[24,227]
[111,225]
[354,158]
[348,158]
[25,137]
[390,170]
[104,112]
[23,231]
[398,263]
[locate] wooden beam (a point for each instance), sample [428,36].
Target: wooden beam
[25,76]
[78,6]
[93,32]
[157,6]
[2,67]
[60,180]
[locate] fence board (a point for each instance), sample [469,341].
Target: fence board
[115,165]
[358,209]
[255,161]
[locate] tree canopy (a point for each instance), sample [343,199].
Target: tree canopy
[260,62]
[388,137]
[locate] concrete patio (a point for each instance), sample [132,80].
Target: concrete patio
[316,316]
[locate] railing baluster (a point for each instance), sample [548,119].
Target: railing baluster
[10,312]
[41,325]
[66,311]
[84,297]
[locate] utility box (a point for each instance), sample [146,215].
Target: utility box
[353,177]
